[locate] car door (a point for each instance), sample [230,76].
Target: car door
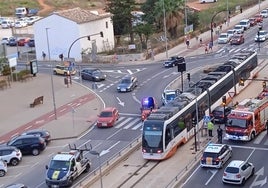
[19,144]
[246,170]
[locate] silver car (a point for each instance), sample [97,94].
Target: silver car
[237,172]
[3,168]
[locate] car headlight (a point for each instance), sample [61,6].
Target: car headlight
[118,87]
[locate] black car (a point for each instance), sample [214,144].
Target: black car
[127,83]
[12,42]
[173,61]
[218,114]
[92,74]
[39,132]
[28,144]
[31,43]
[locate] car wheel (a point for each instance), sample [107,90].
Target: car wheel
[252,136]
[35,152]
[243,181]
[14,162]
[2,173]
[87,168]
[55,72]
[252,172]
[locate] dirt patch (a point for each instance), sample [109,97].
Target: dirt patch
[199,6]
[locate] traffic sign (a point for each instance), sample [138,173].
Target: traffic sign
[206,119]
[231,94]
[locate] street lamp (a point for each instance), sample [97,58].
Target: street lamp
[51,76]
[103,152]
[165,27]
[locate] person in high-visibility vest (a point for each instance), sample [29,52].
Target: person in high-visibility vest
[210,128]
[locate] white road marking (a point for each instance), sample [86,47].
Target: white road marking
[137,126]
[132,123]
[122,123]
[259,138]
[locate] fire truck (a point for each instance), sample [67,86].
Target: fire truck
[247,120]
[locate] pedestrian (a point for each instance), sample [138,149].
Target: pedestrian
[210,128]
[188,43]
[210,45]
[43,55]
[266,124]
[200,41]
[219,133]
[218,30]
[225,21]
[220,27]
[206,49]
[241,10]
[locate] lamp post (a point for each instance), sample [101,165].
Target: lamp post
[211,26]
[51,76]
[185,13]
[227,13]
[165,27]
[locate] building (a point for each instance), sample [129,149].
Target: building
[67,31]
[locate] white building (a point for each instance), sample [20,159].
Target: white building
[58,31]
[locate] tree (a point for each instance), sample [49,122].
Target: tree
[144,31]
[121,17]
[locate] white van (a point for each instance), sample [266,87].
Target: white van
[207,1]
[245,23]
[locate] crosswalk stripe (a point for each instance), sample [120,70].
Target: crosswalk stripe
[132,123]
[129,71]
[122,123]
[259,138]
[137,126]
[266,142]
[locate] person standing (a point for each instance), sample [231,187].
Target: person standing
[266,124]
[219,133]
[210,128]
[43,55]
[210,45]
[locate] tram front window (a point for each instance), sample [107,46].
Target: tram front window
[152,136]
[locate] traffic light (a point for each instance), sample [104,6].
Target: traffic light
[193,121]
[188,77]
[224,100]
[101,34]
[263,84]
[241,81]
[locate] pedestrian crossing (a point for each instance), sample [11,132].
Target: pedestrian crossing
[127,122]
[124,71]
[235,50]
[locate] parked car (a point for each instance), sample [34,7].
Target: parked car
[252,21]
[223,38]
[93,74]
[237,172]
[23,41]
[245,23]
[216,155]
[5,40]
[3,168]
[7,24]
[11,155]
[31,43]
[239,29]
[28,144]
[127,83]
[219,113]
[264,13]
[63,70]
[258,18]
[173,61]
[237,39]
[20,24]
[12,41]
[108,117]
[261,36]
[39,132]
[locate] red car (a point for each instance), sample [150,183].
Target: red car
[258,18]
[237,39]
[108,117]
[23,41]
[252,22]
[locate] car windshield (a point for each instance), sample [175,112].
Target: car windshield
[106,114]
[223,36]
[170,96]
[232,170]
[241,123]
[59,165]
[238,27]
[125,81]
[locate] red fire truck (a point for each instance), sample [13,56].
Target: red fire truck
[247,120]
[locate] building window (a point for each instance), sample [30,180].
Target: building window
[106,25]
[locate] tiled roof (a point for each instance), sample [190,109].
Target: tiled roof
[79,15]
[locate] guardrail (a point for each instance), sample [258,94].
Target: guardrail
[107,165]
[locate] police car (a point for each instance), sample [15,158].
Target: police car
[215,155]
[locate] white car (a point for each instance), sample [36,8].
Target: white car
[223,38]
[239,29]
[3,168]
[20,24]
[215,155]
[261,36]
[5,40]
[11,155]
[231,33]
[237,172]
[264,13]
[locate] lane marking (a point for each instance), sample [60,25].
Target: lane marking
[122,123]
[259,138]
[132,123]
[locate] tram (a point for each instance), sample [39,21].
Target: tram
[163,133]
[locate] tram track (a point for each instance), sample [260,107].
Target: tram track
[139,174]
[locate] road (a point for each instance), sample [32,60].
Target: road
[153,78]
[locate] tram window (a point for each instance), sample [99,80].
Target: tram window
[167,137]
